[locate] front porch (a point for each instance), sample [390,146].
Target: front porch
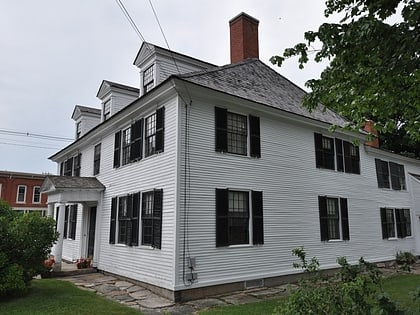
[74,203]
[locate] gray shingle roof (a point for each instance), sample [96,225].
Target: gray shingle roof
[72,182]
[253,80]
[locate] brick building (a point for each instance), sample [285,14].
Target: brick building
[23,191]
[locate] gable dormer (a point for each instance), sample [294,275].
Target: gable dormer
[114,97]
[156,64]
[85,119]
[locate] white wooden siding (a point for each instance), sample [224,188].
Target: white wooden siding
[142,263]
[291,184]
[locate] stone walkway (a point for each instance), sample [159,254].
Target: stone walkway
[147,302]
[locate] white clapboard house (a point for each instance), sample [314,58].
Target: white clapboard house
[204,178]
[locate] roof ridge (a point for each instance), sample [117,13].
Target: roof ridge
[217,68]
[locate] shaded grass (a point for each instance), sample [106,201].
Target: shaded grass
[398,287]
[49,296]
[260,308]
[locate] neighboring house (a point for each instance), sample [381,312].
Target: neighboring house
[22,191]
[207,180]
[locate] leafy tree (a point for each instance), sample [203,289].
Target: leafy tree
[26,240]
[374,70]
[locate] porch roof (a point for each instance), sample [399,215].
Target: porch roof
[72,188]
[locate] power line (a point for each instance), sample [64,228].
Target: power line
[30,146]
[170,51]
[130,20]
[34,135]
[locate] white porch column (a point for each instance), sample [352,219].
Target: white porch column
[58,248]
[50,210]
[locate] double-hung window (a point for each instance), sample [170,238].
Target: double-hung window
[390,175]
[36,198]
[21,194]
[333,218]
[96,159]
[78,130]
[107,110]
[235,132]
[395,223]
[148,79]
[239,218]
[336,154]
[70,220]
[124,219]
[145,137]
[151,218]
[71,166]
[126,138]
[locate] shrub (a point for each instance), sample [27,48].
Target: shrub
[405,260]
[353,290]
[26,240]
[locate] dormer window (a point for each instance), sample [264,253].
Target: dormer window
[148,79]
[78,130]
[107,110]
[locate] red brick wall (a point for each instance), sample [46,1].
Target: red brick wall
[9,186]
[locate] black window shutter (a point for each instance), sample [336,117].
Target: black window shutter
[344,219]
[355,161]
[135,219]
[222,208]
[77,164]
[56,217]
[319,156]
[62,168]
[221,129]
[136,140]
[257,217]
[400,222]
[157,218]
[323,217]
[380,173]
[114,203]
[117,149]
[395,178]
[339,151]
[66,222]
[402,176]
[73,220]
[255,139]
[129,216]
[384,224]
[160,121]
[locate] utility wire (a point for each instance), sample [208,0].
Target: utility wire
[130,20]
[34,135]
[29,146]
[170,51]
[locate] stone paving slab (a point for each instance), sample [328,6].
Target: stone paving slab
[241,298]
[206,303]
[141,299]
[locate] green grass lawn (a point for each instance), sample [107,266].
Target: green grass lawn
[398,288]
[48,296]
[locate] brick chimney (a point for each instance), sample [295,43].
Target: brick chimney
[370,127]
[243,37]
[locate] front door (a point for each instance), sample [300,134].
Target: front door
[91,232]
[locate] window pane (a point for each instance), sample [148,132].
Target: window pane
[333,219]
[237,133]
[238,217]
[150,145]
[390,222]
[126,136]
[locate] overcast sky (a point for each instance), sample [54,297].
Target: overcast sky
[54,54]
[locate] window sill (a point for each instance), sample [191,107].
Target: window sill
[241,246]
[238,155]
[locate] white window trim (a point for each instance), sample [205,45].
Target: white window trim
[33,194]
[0,189]
[17,194]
